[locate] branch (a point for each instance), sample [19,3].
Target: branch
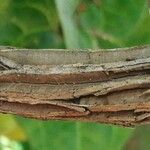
[106,86]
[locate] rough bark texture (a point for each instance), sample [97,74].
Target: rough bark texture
[106,86]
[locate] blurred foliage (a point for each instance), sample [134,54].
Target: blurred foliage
[6,144]
[10,128]
[73,24]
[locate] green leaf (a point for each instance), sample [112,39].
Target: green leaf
[30,23]
[54,135]
[140,140]
[70,135]
[119,137]
[141,34]
[9,32]
[10,128]
[65,10]
[111,21]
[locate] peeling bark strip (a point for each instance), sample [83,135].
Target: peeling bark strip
[106,86]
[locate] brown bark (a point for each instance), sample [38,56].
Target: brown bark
[106,86]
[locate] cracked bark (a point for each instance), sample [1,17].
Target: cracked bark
[106,86]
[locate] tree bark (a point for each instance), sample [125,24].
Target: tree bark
[106,86]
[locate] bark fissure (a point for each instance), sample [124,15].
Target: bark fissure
[78,85]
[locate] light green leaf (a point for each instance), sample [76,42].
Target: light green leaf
[10,128]
[66,10]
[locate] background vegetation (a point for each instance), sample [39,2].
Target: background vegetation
[72,24]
